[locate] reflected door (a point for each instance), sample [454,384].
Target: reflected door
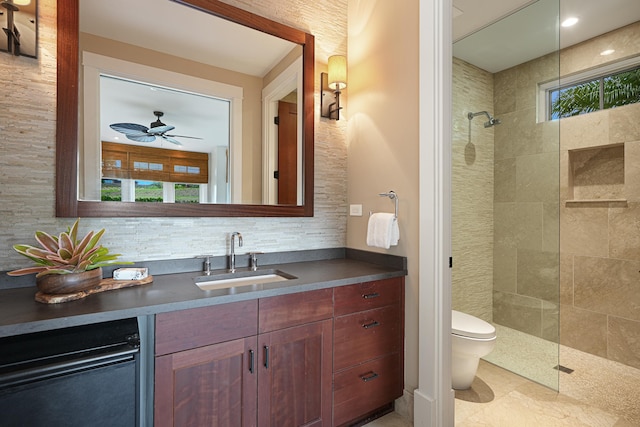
[287,153]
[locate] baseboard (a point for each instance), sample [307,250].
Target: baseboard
[404,405]
[424,410]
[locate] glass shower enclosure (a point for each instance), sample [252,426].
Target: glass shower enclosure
[505,188]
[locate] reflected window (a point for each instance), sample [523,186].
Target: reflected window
[111,190]
[194,170]
[187,193]
[147,166]
[129,190]
[148,191]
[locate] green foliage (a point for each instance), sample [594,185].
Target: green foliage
[65,254]
[148,199]
[619,89]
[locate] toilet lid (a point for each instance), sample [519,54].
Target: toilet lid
[469,326]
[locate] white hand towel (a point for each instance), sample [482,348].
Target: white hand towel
[382,230]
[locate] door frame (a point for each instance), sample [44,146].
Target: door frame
[434,398]
[282,85]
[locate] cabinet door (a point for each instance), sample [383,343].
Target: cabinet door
[215,385]
[295,376]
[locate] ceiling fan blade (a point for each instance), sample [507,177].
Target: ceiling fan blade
[129,128]
[174,141]
[183,136]
[142,138]
[159,130]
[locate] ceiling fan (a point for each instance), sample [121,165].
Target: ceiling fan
[140,133]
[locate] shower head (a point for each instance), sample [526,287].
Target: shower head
[487,124]
[492,122]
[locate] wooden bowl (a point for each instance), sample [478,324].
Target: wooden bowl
[69,283]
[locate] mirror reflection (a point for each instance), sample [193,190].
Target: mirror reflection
[19,34]
[206,112]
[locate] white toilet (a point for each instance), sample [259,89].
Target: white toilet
[471,339]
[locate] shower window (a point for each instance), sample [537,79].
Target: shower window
[608,89]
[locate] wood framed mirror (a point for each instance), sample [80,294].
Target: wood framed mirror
[70,115]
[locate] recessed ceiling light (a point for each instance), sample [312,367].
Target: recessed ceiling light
[607,52]
[569,22]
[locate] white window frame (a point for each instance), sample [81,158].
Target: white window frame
[591,74]
[95,64]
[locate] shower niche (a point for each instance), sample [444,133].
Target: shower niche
[596,176]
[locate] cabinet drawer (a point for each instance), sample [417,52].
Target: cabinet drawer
[368,295]
[366,335]
[366,387]
[295,309]
[197,327]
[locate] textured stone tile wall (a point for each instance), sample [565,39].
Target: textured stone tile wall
[27,156]
[472,192]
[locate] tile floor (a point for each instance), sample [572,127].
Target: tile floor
[599,393]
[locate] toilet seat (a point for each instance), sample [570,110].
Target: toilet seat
[466,325]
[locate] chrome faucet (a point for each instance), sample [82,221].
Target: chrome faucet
[206,264]
[232,255]
[253,260]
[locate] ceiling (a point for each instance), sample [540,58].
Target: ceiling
[182,31]
[203,118]
[498,34]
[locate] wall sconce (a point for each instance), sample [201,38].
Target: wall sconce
[331,84]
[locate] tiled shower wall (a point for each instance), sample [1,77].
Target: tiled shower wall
[472,195]
[600,216]
[27,159]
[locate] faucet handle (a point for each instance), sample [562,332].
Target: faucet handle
[206,267]
[253,260]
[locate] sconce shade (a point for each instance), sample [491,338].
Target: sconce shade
[337,72]
[22,2]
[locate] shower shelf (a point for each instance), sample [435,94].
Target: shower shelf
[597,176]
[617,203]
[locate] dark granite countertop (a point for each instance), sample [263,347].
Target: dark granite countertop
[20,313]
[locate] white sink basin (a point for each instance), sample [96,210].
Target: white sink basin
[233,280]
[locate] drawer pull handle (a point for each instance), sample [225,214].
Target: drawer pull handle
[266,356]
[371,325]
[369,296]
[369,377]
[251,354]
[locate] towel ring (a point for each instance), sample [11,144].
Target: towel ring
[393,196]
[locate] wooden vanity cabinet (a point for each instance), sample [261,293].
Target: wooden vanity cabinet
[203,366]
[368,371]
[330,357]
[208,372]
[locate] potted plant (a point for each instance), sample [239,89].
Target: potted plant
[66,263]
